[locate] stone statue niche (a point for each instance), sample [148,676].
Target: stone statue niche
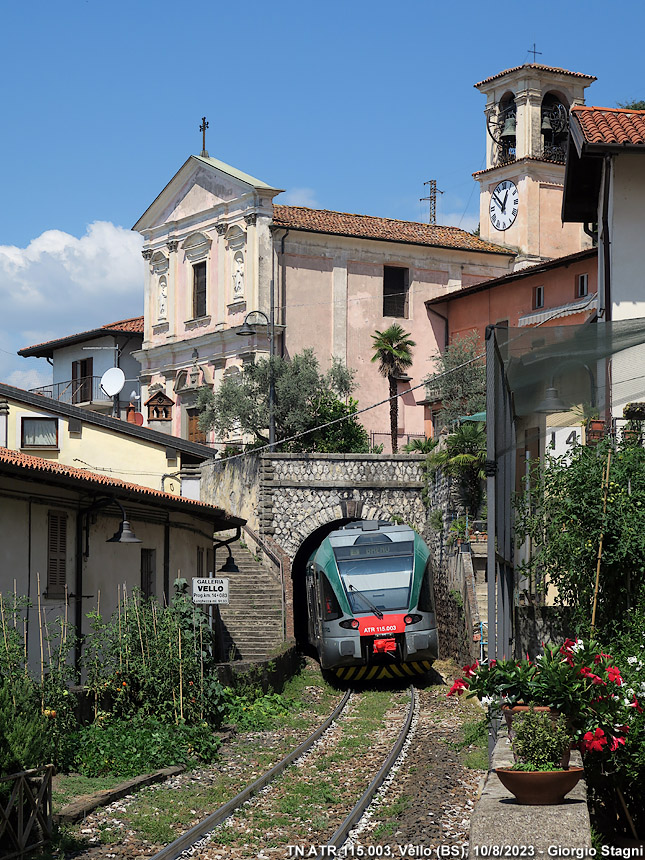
[238,276]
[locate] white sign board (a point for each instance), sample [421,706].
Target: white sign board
[560,440]
[210,590]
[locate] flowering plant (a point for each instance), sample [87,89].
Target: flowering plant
[578,680]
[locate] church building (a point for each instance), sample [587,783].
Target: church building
[220,253]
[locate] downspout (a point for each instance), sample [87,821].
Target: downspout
[283,288]
[78,589]
[606,243]
[166,562]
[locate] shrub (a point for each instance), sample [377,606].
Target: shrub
[135,746]
[539,741]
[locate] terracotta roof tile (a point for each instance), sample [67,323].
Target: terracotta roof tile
[371,227]
[539,67]
[619,126]
[518,161]
[133,325]
[40,465]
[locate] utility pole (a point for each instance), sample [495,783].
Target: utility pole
[432,198]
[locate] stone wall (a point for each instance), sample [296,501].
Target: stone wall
[302,492]
[234,485]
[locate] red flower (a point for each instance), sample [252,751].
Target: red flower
[594,741]
[595,679]
[469,671]
[458,687]
[615,743]
[635,704]
[599,657]
[614,674]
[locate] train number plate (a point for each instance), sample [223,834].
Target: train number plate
[370,625]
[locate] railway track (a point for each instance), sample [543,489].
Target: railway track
[195,841]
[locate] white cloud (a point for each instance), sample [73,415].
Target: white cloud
[59,285]
[298,197]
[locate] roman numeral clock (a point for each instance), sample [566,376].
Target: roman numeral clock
[504,205]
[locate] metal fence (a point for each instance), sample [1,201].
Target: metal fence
[25,811]
[87,389]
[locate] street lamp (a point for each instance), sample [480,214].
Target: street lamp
[247,330]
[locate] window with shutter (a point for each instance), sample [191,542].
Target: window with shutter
[395,291]
[56,553]
[199,290]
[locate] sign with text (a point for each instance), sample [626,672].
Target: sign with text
[210,590]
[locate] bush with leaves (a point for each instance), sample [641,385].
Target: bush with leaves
[460,378]
[539,741]
[565,519]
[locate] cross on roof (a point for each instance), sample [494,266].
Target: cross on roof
[203,128]
[534,52]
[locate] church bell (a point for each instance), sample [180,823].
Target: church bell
[509,127]
[547,126]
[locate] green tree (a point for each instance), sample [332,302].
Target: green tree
[393,351]
[305,398]
[463,457]
[638,104]
[462,390]
[564,518]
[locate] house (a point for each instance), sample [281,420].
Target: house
[79,361]
[605,185]
[559,292]
[72,538]
[82,438]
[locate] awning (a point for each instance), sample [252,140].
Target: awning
[587,303]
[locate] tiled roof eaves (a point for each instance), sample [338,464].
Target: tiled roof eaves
[47,404]
[519,161]
[71,474]
[535,66]
[120,327]
[515,276]
[492,249]
[599,129]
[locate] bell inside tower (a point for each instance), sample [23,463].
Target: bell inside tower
[554,127]
[502,128]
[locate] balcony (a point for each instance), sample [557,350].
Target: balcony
[80,392]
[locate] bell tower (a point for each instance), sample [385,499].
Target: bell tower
[527,124]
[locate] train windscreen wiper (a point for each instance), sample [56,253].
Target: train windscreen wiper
[375,609]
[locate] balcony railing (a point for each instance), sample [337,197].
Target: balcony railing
[86,389]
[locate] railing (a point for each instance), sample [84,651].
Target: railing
[277,561]
[26,815]
[554,153]
[87,389]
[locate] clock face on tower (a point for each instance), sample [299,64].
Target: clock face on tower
[504,203]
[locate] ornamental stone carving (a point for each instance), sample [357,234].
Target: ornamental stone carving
[196,247]
[251,218]
[146,253]
[172,245]
[221,229]
[162,299]
[238,276]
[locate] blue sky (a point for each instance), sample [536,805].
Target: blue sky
[346,105]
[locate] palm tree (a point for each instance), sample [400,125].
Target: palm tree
[464,457]
[393,351]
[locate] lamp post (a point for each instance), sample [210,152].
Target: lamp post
[247,330]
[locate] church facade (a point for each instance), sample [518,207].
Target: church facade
[219,248]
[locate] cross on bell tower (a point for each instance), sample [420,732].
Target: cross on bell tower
[202,128]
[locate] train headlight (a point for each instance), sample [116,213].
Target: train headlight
[412,618]
[350,624]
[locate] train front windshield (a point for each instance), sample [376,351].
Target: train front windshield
[379,575]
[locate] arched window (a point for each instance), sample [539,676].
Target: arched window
[554,127]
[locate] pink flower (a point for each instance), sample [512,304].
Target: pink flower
[636,705]
[614,674]
[595,679]
[458,687]
[594,741]
[615,743]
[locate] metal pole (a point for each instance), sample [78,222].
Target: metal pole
[491,379]
[271,369]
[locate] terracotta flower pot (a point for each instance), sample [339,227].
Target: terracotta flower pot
[539,788]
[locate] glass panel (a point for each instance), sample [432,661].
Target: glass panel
[384,582]
[39,432]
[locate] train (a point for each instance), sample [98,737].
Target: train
[370,602]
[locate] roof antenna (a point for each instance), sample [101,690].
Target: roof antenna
[202,128]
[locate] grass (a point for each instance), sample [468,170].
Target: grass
[69,786]
[389,814]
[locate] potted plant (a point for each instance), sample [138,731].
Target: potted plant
[539,776]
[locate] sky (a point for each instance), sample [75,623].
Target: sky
[349,106]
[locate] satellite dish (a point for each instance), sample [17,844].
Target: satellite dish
[112,381]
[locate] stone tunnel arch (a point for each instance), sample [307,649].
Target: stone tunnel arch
[312,532]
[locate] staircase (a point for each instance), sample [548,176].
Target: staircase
[252,621]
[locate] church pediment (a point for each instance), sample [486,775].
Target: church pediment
[201,184]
